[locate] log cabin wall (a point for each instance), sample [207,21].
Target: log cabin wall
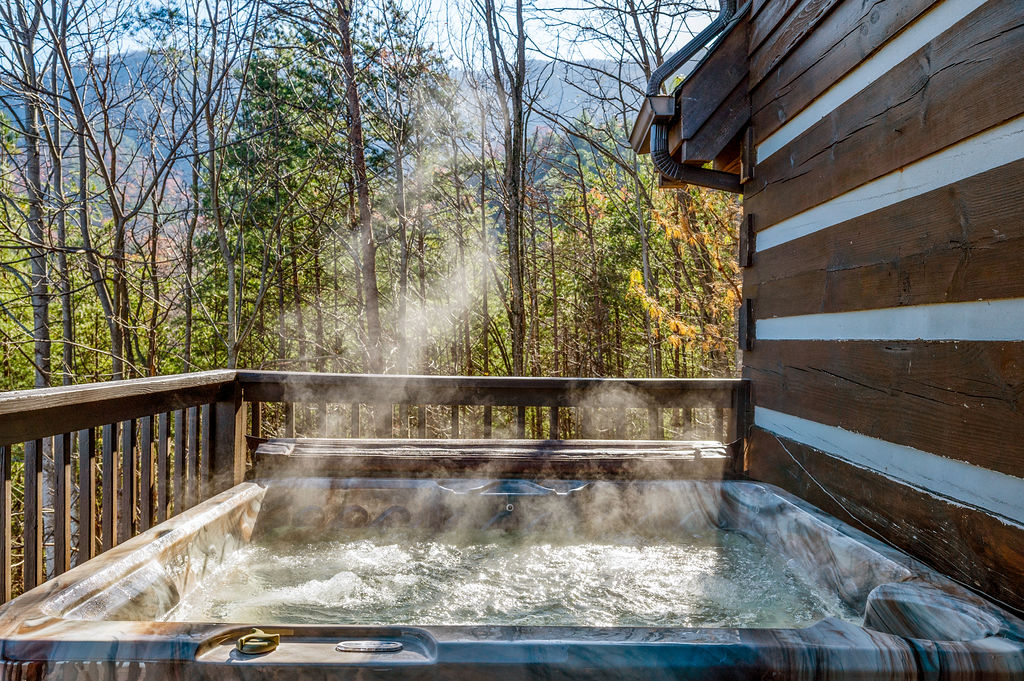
[886,284]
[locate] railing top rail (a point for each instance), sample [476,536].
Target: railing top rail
[30,414]
[286,386]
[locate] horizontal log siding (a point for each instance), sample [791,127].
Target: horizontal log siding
[963,82]
[973,547]
[957,402]
[960,400]
[847,36]
[949,245]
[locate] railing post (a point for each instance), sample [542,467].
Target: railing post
[741,418]
[227,441]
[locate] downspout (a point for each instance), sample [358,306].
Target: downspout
[660,154]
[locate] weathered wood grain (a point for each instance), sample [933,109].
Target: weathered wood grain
[62,503]
[146,473]
[969,545]
[604,459]
[962,400]
[86,495]
[180,475]
[163,468]
[719,132]
[271,386]
[6,491]
[854,30]
[963,82]
[33,570]
[954,244]
[108,486]
[702,94]
[30,414]
[765,18]
[802,21]
[126,482]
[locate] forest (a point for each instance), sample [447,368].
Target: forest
[348,186]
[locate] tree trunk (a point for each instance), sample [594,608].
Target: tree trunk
[368,245]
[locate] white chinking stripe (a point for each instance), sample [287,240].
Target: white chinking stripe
[983,320]
[990,149]
[932,24]
[953,480]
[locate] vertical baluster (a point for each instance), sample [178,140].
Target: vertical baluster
[33,572]
[553,429]
[421,421]
[145,473]
[383,420]
[403,420]
[126,505]
[62,503]
[206,460]
[654,430]
[289,419]
[86,495]
[585,414]
[5,523]
[192,458]
[180,434]
[321,419]
[488,420]
[353,427]
[455,421]
[520,422]
[256,427]
[108,497]
[163,467]
[620,423]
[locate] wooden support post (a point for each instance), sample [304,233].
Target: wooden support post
[747,241]
[86,495]
[488,421]
[554,433]
[163,468]
[192,459]
[421,421]
[145,473]
[746,325]
[354,420]
[321,419]
[180,476]
[227,443]
[455,421]
[654,429]
[5,523]
[33,571]
[256,425]
[289,419]
[740,423]
[108,493]
[126,486]
[62,503]
[205,477]
[403,420]
[520,422]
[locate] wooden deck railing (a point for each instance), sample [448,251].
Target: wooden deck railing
[83,468]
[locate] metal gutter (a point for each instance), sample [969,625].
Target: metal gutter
[658,111]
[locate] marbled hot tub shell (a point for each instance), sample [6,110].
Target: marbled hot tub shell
[106,618]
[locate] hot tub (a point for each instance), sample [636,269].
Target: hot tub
[491,578]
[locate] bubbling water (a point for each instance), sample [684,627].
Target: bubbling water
[721,579]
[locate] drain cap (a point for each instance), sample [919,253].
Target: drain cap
[368,647]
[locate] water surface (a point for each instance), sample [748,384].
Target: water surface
[719,580]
